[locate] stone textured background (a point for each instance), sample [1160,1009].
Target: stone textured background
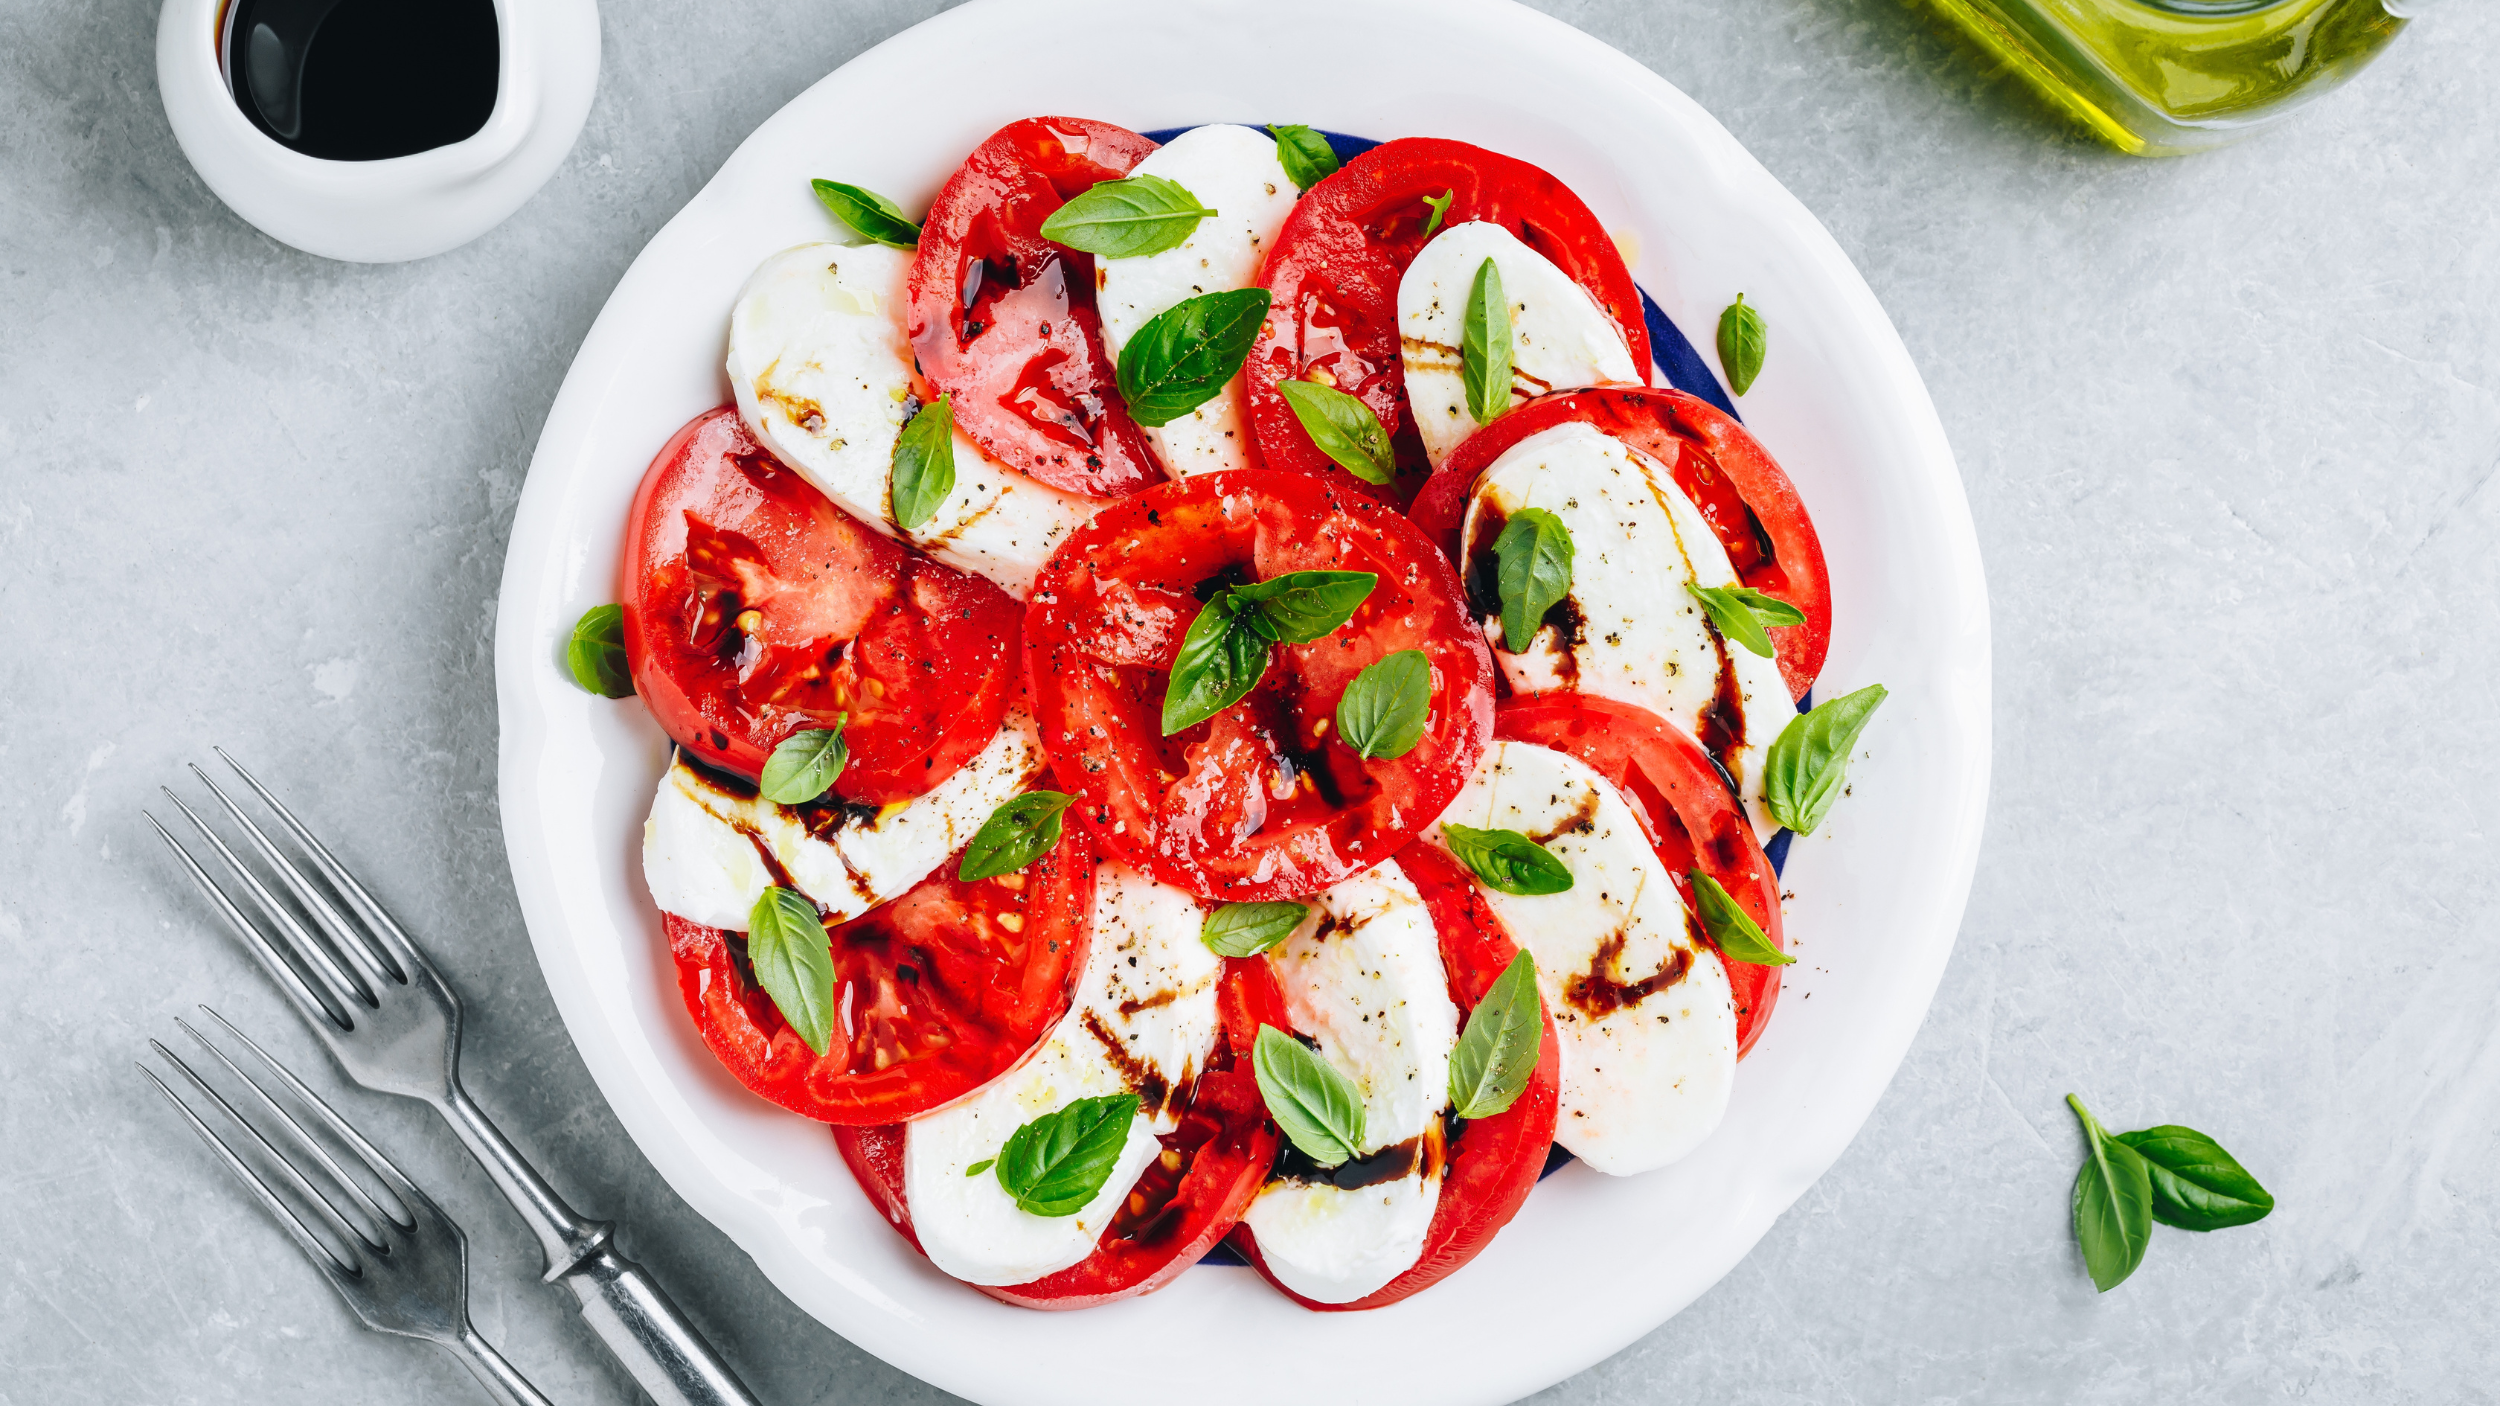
[2230,426]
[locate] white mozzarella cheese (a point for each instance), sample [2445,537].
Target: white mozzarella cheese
[704,848]
[1646,1069]
[823,376]
[1639,637]
[1234,172]
[1363,976]
[1143,1021]
[1560,337]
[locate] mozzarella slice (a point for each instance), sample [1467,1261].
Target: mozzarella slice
[823,376]
[1633,633]
[1143,1021]
[1647,1021]
[1234,172]
[1364,977]
[1560,337]
[708,851]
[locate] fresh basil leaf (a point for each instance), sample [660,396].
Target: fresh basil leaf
[1015,835]
[1507,860]
[871,214]
[1058,1163]
[793,961]
[2197,1185]
[1184,357]
[1533,570]
[1735,619]
[1317,1107]
[1440,210]
[1383,712]
[1739,937]
[1742,341]
[1301,606]
[1343,428]
[981,1166]
[1767,608]
[1497,1053]
[1247,929]
[1484,346]
[1127,219]
[924,463]
[2113,1204]
[805,764]
[596,652]
[1306,156]
[1809,761]
[1221,659]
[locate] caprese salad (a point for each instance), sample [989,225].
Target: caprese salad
[1220,701]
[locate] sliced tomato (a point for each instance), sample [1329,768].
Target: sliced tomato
[1004,319]
[936,993]
[1751,506]
[1210,1168]
[1683,801]
[1263,800]
[1336,265]
[1489,1164]
[755,608]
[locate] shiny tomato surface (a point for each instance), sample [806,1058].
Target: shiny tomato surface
[1264,800]
[755,608]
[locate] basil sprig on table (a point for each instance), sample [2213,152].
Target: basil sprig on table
[1484,345]
[1489,1069]
[1224,654]
[1015,835]
[1184,356]
[2174,1175]
[1057,1164]
[805,764]
[1126,219]
[1343,428]
[1739,937]
[793,961]
[1506,860]
[1315,1106]
[1742,613]
[924,463]
[2197,1185]
[1440,209]
[1742,341]
[869,213]
[1383,712]
[1532,571]
[596,652]
[1306,156]
[1809,761]
[1247,929]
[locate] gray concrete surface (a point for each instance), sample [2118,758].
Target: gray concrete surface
[2230,427]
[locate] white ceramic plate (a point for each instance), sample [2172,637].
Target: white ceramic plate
[1592,1262]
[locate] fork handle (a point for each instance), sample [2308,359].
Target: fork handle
[502,1380]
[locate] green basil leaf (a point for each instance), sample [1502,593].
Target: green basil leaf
[1739,937]
[871,214]
[1301,606]
[1533,570]
[1306,156]
[1498,1051]
[1015,835]
[1384,710]
[1506,860]
[1767,608]
[924,463]
[1809,762]
[1440,210]
[1484,346]
[1126,219]
[1057,1163]
[793,961]
[1247,929]
[1317,1107]
[596,652]
[1343,428]
[805,764]
[981,1166]
[1735,619]
[1183,357]
[2113,1204]
[1742,341]
[2197,1185]
[1221,659]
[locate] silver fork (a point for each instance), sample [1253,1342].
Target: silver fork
[394,1025]
[404,1270]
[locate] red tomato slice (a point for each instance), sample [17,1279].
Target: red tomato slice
[754,608]
[1739,487]
[1336,264]
[1263,800]
[1491,1163]
[1004,319]
[1680,797]
[1211,1166]
[939,991]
